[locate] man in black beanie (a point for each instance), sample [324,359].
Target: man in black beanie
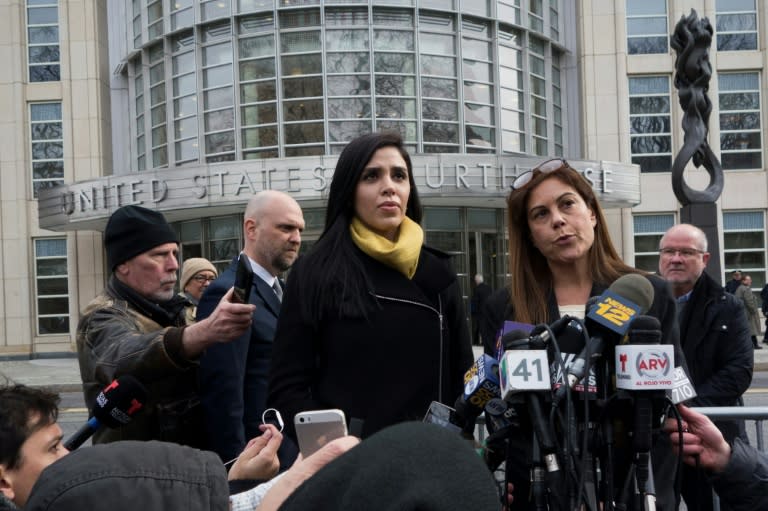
[136,326]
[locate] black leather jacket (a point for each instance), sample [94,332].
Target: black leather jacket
[119,333]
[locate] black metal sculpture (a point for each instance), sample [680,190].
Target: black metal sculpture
[692,39]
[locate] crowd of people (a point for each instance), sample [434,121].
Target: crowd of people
[370,321]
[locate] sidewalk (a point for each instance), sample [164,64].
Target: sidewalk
[63,374]
[59,374]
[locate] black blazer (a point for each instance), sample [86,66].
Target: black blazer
[233,375]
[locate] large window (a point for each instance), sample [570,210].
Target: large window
[136,10]
[511,84]
[158,119]
[650,123]
[557,107]
[648,232]
[51,286]
[347,45]
[538,85]
[394,72]
[302,83]
[47,145]
[440,110]
[184,98]
[477,68]
[740,133]
[258,87]
[138,94]
[744,245]
[736,22]
[647,27]
[154,18]
[43,40]
[218,93]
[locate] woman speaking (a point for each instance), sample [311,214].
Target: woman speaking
[560,255]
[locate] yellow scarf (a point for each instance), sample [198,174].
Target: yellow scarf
[402,255]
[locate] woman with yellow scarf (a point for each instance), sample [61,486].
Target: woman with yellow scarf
[373,321]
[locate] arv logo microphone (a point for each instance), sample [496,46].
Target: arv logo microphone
[644,366]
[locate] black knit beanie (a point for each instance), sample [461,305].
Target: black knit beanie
[132,230]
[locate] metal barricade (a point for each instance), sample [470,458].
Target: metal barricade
[755,413]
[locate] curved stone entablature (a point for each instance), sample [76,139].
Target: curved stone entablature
[195,191]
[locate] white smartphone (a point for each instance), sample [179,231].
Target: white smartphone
[315,428]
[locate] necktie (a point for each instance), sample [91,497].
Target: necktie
[278,290]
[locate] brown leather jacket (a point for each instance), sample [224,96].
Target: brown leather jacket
[121,333]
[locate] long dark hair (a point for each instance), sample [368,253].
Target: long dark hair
[531,278]
[339,285]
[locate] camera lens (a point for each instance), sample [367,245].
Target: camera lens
[301,419]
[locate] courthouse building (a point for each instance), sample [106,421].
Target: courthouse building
[188,107]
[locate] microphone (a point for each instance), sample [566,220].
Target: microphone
[115,406]
[645,333]
[481,384]
[523,376]
[608,318]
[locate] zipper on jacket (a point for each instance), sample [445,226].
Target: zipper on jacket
[439,312]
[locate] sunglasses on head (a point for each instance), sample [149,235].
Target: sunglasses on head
[544,168]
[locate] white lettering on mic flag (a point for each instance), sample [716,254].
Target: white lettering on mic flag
[644,366]
[522,370]
[682,389]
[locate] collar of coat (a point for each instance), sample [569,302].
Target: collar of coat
[164,314]
[705,291]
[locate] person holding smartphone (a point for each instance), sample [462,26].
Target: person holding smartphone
[233,378]
[373,321]
[137,326]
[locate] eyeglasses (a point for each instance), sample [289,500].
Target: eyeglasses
[203,278]
[544,168]
[684,252]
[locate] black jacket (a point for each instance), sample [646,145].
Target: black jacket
[715,337]
[743,485]
[233,376]
[412,350]
[151,476]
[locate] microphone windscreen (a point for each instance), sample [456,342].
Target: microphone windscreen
[636,288]
[511,337]
[119,401]
[644,330]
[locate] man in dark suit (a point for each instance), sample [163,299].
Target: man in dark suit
[477,303]
[714,335]
[233,380]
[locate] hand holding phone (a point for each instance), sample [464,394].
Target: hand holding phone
[243,280]
[316,428]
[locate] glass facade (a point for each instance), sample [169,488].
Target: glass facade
[304,78]
[213,81]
